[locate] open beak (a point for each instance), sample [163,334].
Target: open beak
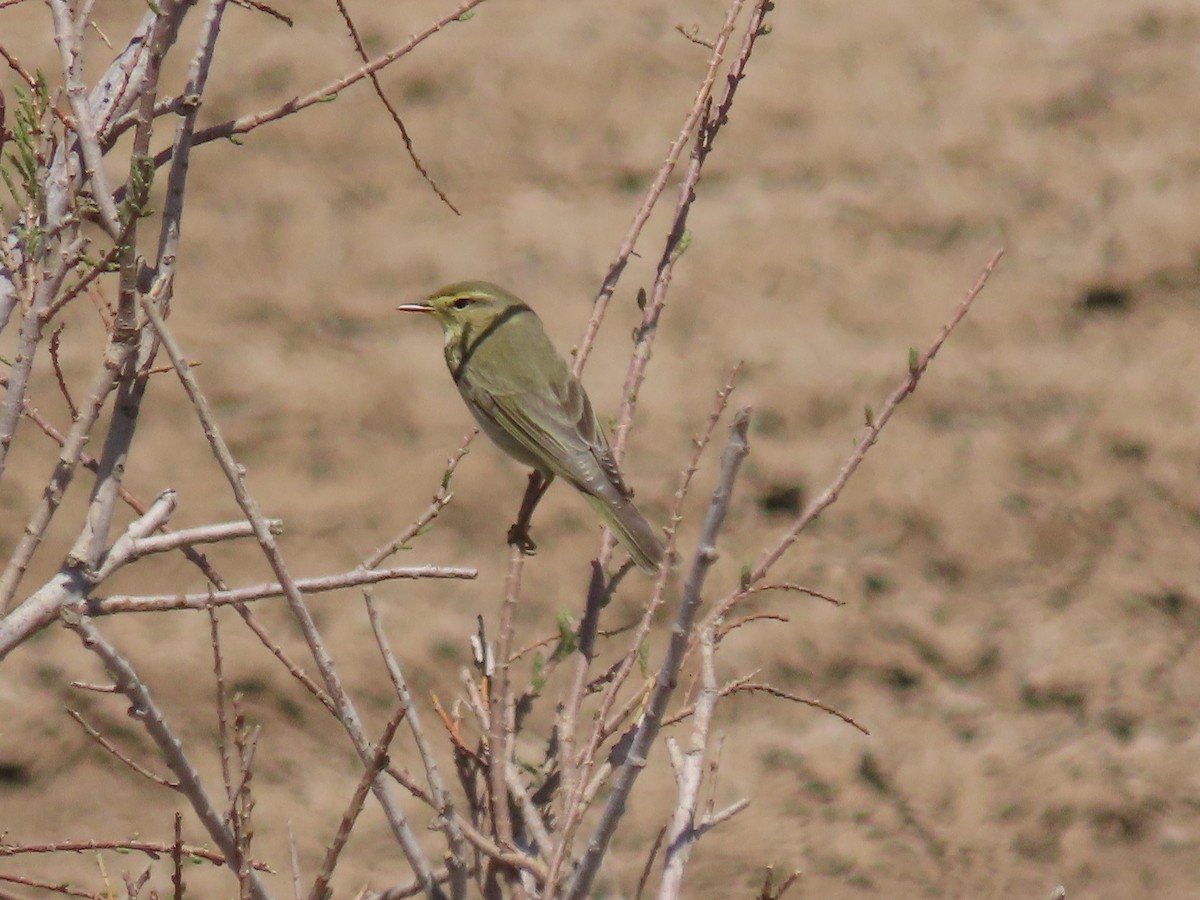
[415,307]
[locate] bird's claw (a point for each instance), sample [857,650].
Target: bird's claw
[518,536]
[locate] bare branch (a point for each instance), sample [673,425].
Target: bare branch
[248,123]
[103,384]
[56,887]
[144,709]
[575,783]
[350,816]
[404,136]
[872,430]
[681,832]
[642,216]
[509,858]
[441,498]
[111,748]
[677,241]
[169,232]
[347,713]
[353,578]
[139,546]
[664,685]
[126,547]
[457,862]
[150,848]
[70,48]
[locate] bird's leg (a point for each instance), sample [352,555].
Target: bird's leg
[518,535]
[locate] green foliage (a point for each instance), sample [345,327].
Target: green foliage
[537,678]
[141,178]
[22,166]
[567,642]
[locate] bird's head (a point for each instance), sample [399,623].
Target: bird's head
[467,306]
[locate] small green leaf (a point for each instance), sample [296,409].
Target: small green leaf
[538,677]
[566,636]
[680,248]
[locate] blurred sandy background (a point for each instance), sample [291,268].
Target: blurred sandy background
[1018,555]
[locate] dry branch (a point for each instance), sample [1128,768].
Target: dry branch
[353,578]
[668,673]
[347,713]
[145,710]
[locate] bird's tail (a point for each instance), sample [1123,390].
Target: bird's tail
[630,527]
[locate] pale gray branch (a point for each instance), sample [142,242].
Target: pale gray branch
[131,544]
[354,578]
[689,771]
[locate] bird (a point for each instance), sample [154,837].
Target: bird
[529,402]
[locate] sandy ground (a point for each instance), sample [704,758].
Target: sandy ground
[1018,555]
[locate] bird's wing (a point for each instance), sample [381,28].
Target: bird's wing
[557,426]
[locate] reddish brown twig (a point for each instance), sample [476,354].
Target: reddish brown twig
[111,748]
[404,135]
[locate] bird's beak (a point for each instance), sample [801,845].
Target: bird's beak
[415,307]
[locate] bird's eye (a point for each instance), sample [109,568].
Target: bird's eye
[462,303]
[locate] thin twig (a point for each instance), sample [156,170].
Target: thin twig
[642,216]
[55,341]
[106,744]
[441,498]
[668,673]
[500,725]
[575,787]
[105,606]
[457,862]
[347,713]
[294,856]
[872,430]
[378,763]
[681,833]
[677,241]
[57,887]
[404,136]
[248,123]
[145,710]
[214,632]
[177,859]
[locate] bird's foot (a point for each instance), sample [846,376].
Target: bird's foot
[518,536]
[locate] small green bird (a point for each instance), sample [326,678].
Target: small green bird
[529,402]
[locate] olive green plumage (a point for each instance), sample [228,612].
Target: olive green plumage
[527,400]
